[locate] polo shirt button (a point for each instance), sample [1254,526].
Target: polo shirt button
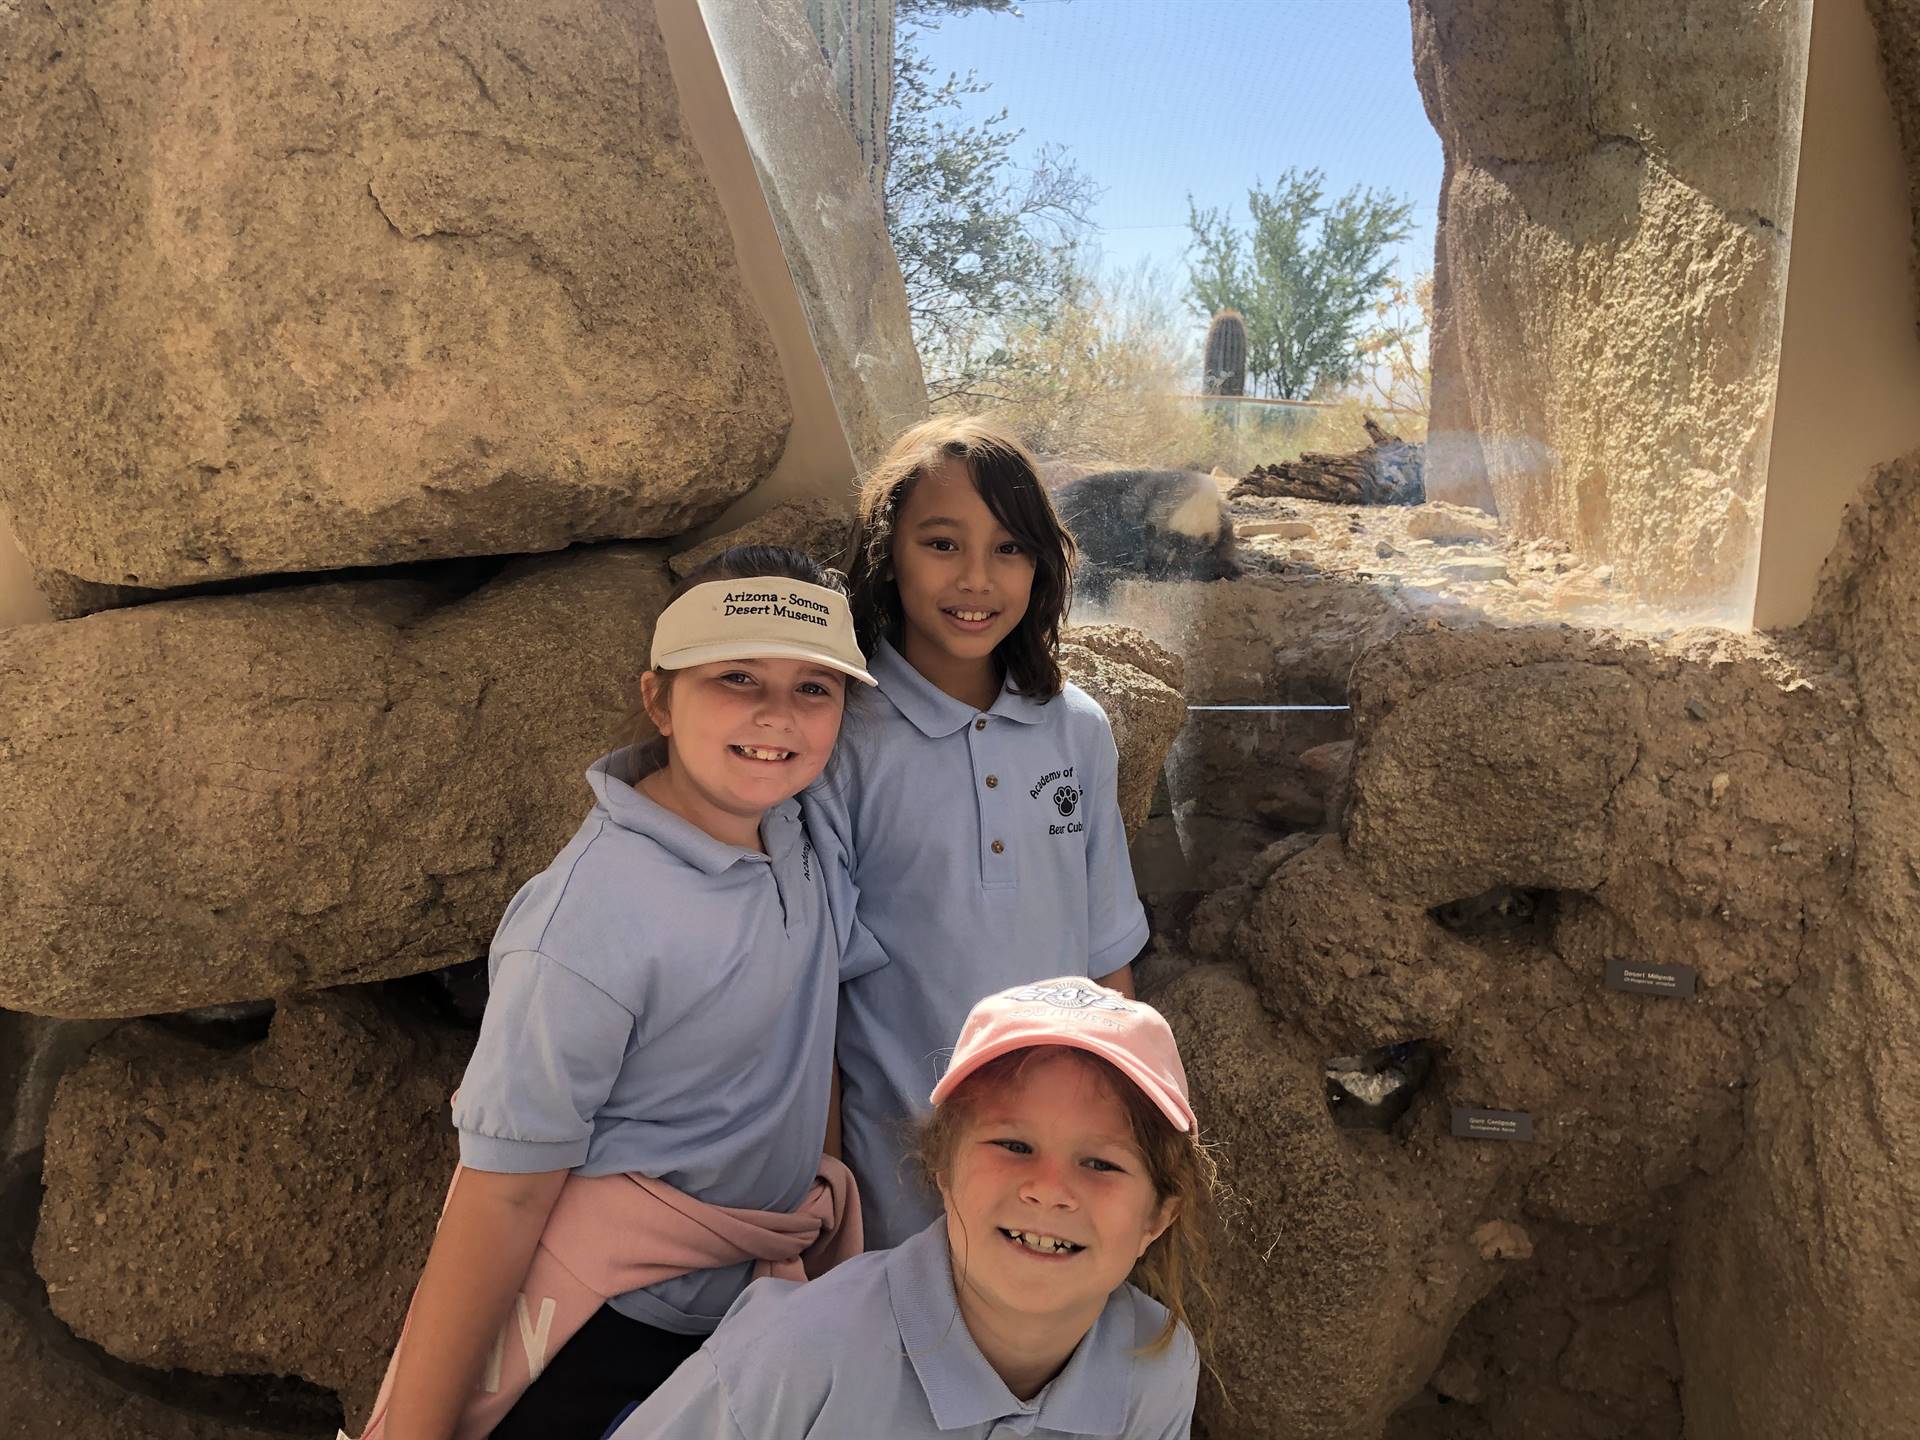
[998,848]
[993,782]
[981,723]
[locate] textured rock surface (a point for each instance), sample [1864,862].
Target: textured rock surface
[812,526]
[34,1053]
[1344,1263]
[50,1393]
[1464,920]
[1897,23]
[375,283]
[1578,1344]
[1123,670]
[1350,969]
[1799,1286]
[229,797]
[1535,752]
[1619,185]
[259,1212]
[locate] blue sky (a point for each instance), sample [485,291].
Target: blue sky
[1159,98]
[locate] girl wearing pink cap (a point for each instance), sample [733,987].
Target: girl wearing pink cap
[1051,1298]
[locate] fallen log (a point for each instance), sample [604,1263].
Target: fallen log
[1387,472]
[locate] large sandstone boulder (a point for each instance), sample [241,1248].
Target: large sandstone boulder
[314,288]
[264,1212]
[815,526]
[1799,1285]
[228,797]
[1349,967]
[1614,248]
[1135,682]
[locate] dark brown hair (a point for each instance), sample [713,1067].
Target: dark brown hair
[737,562]
[1008,481]
[1174,1269]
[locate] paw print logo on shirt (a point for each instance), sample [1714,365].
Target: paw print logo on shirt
[1066,799]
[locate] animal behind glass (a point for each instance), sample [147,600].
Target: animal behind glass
[1147,524]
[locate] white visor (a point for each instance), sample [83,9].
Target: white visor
[761,618]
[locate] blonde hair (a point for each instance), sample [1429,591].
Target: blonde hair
[1008,481]
[1174,1270]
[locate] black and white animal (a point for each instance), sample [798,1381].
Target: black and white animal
[1147,524]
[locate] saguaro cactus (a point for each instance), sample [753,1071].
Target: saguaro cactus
[1226,362]
[856,39]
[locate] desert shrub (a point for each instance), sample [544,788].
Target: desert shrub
[1106,378]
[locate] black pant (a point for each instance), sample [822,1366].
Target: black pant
[611,1364]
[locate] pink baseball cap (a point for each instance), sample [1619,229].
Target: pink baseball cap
[1075,1012]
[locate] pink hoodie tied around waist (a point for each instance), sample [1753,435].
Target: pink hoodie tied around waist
[609,1234]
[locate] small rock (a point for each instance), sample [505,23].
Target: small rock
[1281,529]
[1603,574]
[1384,550]
[1371,1091]
[1290,807]
[1304,557]
[1452,525]
[1503,1240]
[1719,786]
[1325,764]
[1697,708]
[1574,599]
[1457,1381]
[1475,571]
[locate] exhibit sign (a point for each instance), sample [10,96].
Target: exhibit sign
[1470,1123]
[1643,978]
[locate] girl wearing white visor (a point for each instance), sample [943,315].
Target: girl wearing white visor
[642,1123]
[1050,1299]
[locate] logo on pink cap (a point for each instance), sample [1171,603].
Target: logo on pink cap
[1072,1011]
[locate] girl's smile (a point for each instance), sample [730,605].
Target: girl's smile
[971,620]
[1051,1247]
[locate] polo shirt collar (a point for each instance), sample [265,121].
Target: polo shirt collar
[612,779]
[932,711]
[1088,1397]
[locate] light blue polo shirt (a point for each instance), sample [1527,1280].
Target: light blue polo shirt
[663,1003]
[988,852]
[876,1350]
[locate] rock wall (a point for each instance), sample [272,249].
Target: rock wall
[230,797]
[1802,1278]
[380,283]
[1523,806]
[1617,214]
[1897,23]
[255,801]
[260,1212]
